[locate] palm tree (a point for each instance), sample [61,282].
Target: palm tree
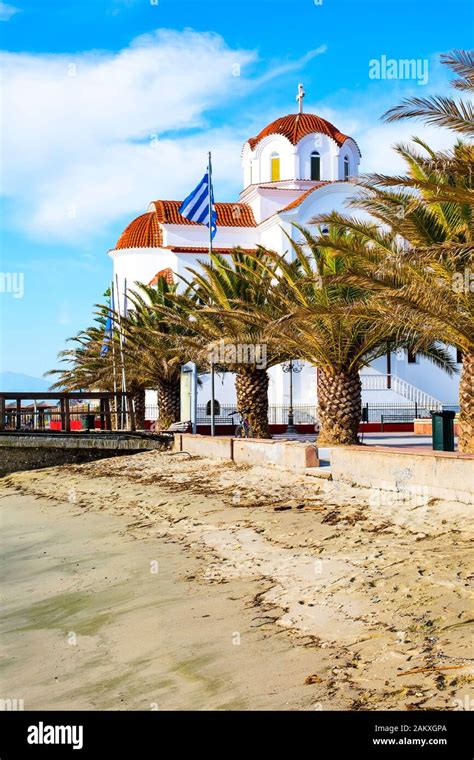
[444,111]
[87,368]
[89,364]
[332,324]
[95,360]
[220,316]
[423,269]
[90,368]
[153,346]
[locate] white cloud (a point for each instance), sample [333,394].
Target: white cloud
[87,137]
[7,11]
[94,137]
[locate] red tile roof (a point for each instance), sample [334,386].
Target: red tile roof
[166,273]
[295,126]
[304,195]
[143,232]
[228,214]
[202,249]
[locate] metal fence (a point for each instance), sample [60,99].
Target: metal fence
[303,414]
[306,414]
[277,414]
[396,412]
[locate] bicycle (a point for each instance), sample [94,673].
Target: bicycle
[243,429]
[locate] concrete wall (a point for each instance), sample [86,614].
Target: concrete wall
[218,447]
[33,452]
[291,455]
[429,473]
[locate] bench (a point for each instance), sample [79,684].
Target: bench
[175,427]
[401,417]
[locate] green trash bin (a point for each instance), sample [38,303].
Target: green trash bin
[87,421]
[443,430]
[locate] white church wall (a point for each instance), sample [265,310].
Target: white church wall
[349,149]
[423,375]
[427,376]
[247,165]
[188,235]
[327,149]
[323,200]
[224,389]
[252,196]
[383,397]
[272,200]
[304,386]
[185,261]
[275,385]
[279,145]
[140,264]
[306,390]
[273,237]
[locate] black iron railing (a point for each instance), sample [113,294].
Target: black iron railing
[306,414]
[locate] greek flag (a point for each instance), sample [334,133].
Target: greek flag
[196,206]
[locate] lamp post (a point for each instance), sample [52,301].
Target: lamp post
[294,365]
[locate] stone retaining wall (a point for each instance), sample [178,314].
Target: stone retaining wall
[33,452]
[437,474]
[292,455]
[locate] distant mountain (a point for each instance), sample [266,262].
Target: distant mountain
[15,381]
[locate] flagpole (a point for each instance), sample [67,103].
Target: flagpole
[114,370]
[209,170]
[125,314]
[124,381]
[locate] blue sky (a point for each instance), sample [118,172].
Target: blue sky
[109,104]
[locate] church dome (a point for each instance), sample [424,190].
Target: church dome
[295,126]
[143,232]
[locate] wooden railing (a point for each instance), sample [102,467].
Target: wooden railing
[111,406]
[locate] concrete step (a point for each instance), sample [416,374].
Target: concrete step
[319,472]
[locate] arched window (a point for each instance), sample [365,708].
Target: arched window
[346,168]
[217,408]
[315,165]
[275,167]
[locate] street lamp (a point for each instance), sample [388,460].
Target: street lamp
[294,365]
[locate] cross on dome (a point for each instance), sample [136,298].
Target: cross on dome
[299,98]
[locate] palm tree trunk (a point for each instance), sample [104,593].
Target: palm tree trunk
[168,402]
[466,401]
[139,406]
[339,407]
[251,386]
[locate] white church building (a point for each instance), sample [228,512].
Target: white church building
[298,166]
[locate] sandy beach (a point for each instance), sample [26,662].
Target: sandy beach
[160,581]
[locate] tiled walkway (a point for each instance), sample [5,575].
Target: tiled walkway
[398,440]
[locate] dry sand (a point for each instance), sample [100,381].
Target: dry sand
[159,581]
